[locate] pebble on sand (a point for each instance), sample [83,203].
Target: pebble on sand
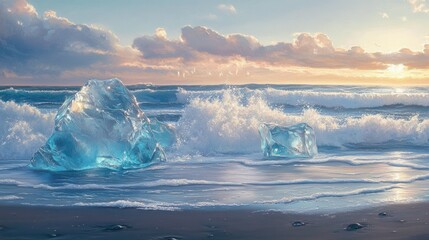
[354,227]
[298,224]
[171,238]
[382,214]
[116,227]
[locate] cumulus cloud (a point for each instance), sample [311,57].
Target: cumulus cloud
[159,47]
[306,50]
[48,44]
[203,39]
[229,8]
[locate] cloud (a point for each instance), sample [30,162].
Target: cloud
[229,8]
[50,49]
[384,15]
[203,39]
[419,6]
[48,44]
[197,43]
[159,47]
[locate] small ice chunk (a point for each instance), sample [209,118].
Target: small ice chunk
[164,133]
[101,126]
[291,142]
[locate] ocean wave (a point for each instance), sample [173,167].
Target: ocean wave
[352,162]
[230,125]
[225,125]
[10,197]
[193,182]
[146,205]
[95,186]
[155,96]
[316,196]
[37,91]
[165,206]
[320,98]
[182,182]
[36,96]
[23,130]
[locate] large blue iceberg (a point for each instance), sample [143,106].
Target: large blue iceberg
[101,126]
[297,141]
[164,133]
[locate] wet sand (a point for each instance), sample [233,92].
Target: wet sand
[406,221]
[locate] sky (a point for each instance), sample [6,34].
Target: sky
[59,42]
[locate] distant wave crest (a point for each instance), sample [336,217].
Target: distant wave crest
[23,130]
[318,98]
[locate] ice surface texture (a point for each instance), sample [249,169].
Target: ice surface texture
[101,126]
[163,133]
[291,142]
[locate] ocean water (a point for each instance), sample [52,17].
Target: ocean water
[373,149]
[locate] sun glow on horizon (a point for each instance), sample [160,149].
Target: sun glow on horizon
[396,70]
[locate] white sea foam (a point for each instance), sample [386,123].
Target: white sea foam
[319,98]
[230,125]
[23,129]
[10,197]
[329,194]
[349,161]
[224,124]
[182,182]
[158,205]
[147,205]
[192,182]
[95,186]
[30,91]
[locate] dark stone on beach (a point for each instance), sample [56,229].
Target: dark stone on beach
[116,227]
[298,224]
[354,227]
[171,238]
[54,235]
[382,214]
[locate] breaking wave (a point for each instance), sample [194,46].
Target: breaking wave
[229,124]
[225,124]
[192,182]
[23,130]
[319,98]
[157,205]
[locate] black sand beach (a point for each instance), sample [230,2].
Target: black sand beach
[406,221]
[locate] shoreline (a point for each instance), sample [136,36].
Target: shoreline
[402,221]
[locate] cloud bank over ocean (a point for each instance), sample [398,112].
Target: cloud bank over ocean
[46,48]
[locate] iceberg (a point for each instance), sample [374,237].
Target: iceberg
[164,133]
[297,141]
[101,126]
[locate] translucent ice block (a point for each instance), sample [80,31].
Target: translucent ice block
[101,126]
[296,141]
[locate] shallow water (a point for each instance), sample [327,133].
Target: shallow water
[372,149]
